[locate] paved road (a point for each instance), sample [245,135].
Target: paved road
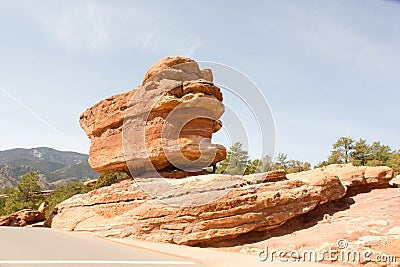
[47,247]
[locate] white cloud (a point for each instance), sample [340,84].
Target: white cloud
[94,26]
[78,26]
[149,38]
[193,48]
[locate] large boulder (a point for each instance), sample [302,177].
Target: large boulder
[354,177]
[241,204]
[23,218]
[167,121]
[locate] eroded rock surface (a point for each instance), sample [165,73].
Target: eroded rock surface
[249,203]
[369,222]
[23,218]
[131,130]
[353,177]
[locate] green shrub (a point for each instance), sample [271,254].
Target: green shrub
[107,179]
[27,195]
[64,192]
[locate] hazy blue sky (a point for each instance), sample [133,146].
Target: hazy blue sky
[327,68]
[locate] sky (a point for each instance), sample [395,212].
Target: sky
[326,68]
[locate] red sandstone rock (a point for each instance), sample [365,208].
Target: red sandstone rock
[164,63]
[369,222]
[138,131]
[354,176]
[243,204]
[23,218]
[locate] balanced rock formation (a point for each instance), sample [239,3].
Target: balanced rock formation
[354,177]
[165,124]
[248,203]
[23,218]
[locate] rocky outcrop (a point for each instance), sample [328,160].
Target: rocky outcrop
[395,181]
[165,124]
[23,218]
[244,204]
[367,222]
[354,177]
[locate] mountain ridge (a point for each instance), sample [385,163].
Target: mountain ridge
[54,167]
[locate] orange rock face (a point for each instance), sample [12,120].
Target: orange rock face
[369,222]
[166,123]
[22,218]
[208,208]
[243,204]
[354,176]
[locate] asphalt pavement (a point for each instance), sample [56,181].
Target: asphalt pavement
[30,246]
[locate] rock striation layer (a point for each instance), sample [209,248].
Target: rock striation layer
[168,120]
[369,222]
[249,203]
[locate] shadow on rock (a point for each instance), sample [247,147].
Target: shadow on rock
[319,214]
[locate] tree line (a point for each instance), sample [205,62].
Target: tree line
[362,153]
[238,162]
[344,150]
[27,194]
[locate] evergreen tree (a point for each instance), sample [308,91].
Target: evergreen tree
[235,162]
[267,164]
[281,162]
[380,154]
[27,194]
[107,179]
[5,193]
[297,166]
[394,162]
[253,166]
[361,153]
[64,192]
[341,150]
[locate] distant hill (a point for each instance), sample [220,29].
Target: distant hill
[54,167]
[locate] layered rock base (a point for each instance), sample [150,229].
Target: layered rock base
[245,204]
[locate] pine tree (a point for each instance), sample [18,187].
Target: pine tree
[394,162]
[64,192]
[235,162]
[361,153]
[341,150]
[281,162]
[107,179]
[27,194]
[267,164]
[253,166]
